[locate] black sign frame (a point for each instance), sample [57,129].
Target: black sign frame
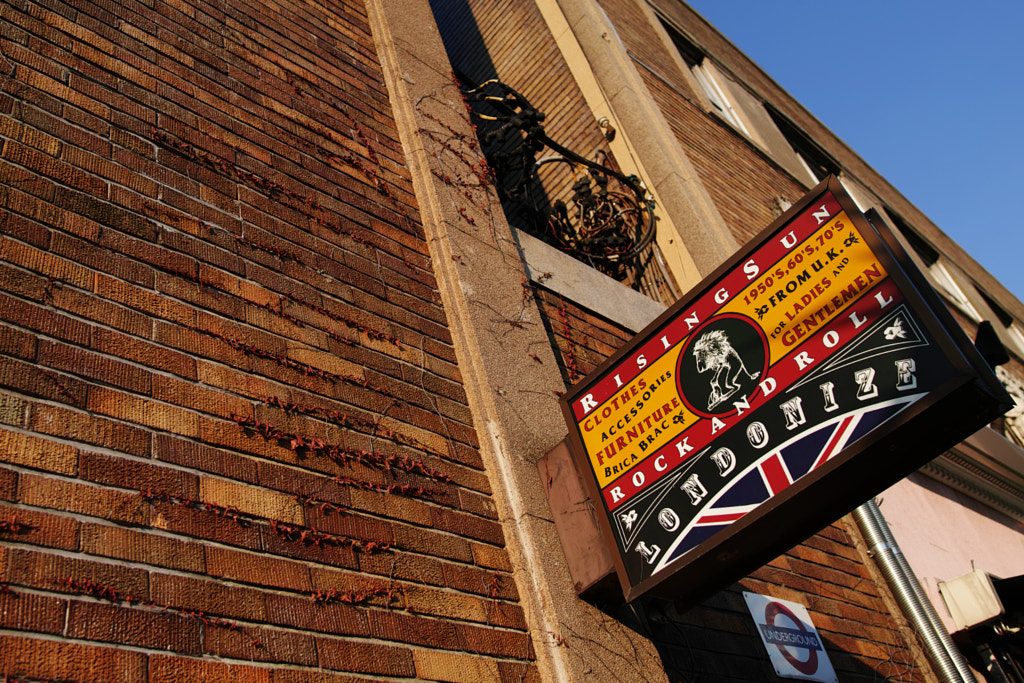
[962,401]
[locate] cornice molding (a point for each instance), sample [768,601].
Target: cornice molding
[969,478]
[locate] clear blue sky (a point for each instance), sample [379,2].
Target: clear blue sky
[937,106]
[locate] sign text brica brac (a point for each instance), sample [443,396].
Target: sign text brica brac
[796,349]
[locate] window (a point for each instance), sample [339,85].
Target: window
[1013,420]
[1013,333]
[704,73]
[940,276]
[816,162]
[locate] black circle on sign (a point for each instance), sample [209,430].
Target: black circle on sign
[723,361]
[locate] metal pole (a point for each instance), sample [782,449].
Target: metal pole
[947,659]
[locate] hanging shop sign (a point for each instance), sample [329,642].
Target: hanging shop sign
[793,644]
[811,371]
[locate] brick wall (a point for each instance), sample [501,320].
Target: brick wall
[582,340]
[234,443]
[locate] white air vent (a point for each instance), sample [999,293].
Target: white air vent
[971,599]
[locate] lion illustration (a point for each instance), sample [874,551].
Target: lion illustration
[712,351]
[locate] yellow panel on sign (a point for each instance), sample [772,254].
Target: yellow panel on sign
[815,282]
[645,414]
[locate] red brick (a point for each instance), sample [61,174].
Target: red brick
[217,255]
[8,484]
[400,566]
[19,282]
[350,524]
[335,556]
[497,643]
[75,425]
[189,168]
[490,557]
[831,547]
[133,143]
[75,135]
[86,121]
[256,569]
[224,377]
[140,351]
[836,533]
[787,579]
[304,614]
[85,499]
[58,660]
[203,524]
[147,167]
[477,504]
[44,529]
[468,525]
[479,582]
[108,170]
[203,212]
[105,213]
[17,343]
[134,626]
[102,259]
[33,317]
[13,410]
[839,571]
[137,475]
[26,203]
[145,301]
[141,547]
[21,611]
[200,398]
[142,411]
[464,454]
[403,627]
[432,422]
[32,451]
[367,658]
[438,545]
[34,381]
[261,644]
[91,307]
[171,669]
[94,366]
[42,570]
[201,293]
[300,482]
[230,435]
[206,459]
[51,167]
[201,345]
[210,597]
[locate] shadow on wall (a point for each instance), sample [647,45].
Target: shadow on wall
[717,642]
[469,56]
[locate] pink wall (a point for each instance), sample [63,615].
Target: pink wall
[942,532]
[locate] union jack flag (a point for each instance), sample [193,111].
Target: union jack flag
[773,473]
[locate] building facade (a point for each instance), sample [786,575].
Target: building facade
[282,358]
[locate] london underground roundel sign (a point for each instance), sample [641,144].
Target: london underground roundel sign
[793,644]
